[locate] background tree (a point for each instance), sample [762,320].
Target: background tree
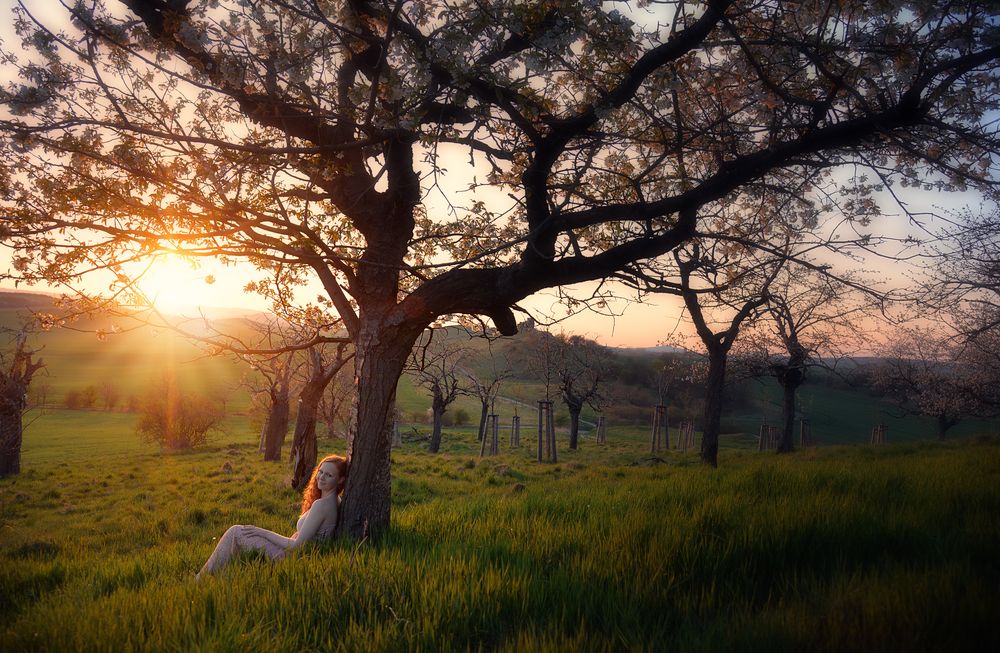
[335,405]
[724,284]
[743,301]
[810,320]
[18,365]
[274,382]
[925,372]
[581,368]
[322,368]
[484,384]
[435,363]
[313,136]
[964,277]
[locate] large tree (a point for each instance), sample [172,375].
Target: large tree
[319,136]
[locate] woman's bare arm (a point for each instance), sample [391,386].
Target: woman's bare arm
[321,510]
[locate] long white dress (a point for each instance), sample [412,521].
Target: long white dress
[254,538]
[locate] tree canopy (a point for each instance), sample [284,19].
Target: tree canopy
[333,141]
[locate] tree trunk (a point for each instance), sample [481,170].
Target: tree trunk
[277,427]
[482,418]
[714,387]
[790,382]
[943,424]
[574,424]
[14,383]
[10,438]
[304,447]
[380,354]
[263,434]
[437,412]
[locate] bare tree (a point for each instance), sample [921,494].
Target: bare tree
[319,137]
[581,367]
[110,394]
[810,320]
[436,364]
[18,366]
[335,405]
[322,368]
[485,386]
[724,285]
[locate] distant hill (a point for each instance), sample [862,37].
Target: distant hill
[14,299]
[36,301]
[645,351]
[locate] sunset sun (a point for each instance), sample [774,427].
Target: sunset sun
[172,283]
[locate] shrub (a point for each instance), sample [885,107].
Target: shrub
[72,399]
[81,399]
[177,420]
[461,417]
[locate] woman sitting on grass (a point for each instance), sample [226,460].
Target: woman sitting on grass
[318,520]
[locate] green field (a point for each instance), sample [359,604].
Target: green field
[135,360]
[828,549]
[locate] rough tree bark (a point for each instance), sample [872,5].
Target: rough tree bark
[484,404]
[790,379]
[277,424]
[379,360]
[715,385]
[438,406]
[574,423]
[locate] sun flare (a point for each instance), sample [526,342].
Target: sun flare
[173,283]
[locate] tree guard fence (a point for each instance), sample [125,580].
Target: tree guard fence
[767,439]
[546,433]
[660,436]
[878,434]
[492,436]
[805,434]
[685,439]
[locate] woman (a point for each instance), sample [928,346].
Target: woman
[318,520]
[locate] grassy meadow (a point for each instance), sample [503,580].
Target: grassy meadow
[828,549]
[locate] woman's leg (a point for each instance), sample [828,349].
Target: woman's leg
[241,538]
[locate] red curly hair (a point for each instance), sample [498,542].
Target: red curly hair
[312,492]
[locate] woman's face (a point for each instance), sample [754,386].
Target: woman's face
[326,477]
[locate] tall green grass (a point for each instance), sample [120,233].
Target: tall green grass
[840,548]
